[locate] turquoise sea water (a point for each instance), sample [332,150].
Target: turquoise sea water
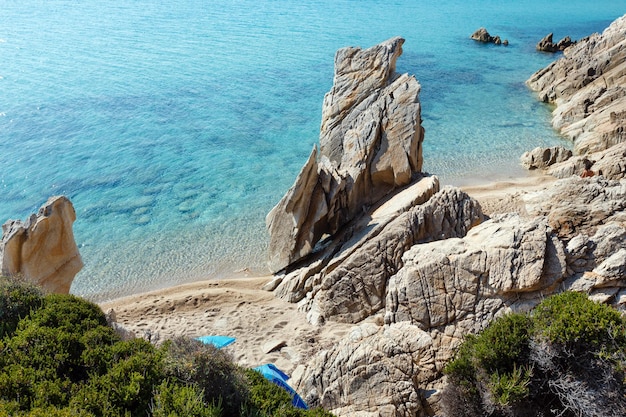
[174,127]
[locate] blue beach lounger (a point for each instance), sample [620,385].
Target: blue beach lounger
[278,377]
[217,341]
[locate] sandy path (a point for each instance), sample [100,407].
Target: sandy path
[268,329]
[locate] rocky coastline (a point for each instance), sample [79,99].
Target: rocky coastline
[437,269]
[379,272]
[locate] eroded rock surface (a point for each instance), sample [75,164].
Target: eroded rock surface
[420,270]
[370,143]
[580,205]
[610,164]
[449,288]
[541,158]
[588,85]
[351,283]
[43,249]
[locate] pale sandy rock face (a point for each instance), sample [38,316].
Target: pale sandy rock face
[377,368]
[43,249]
[370,144]
[588,85]
[442,282]
[610,163]
[448,288]
[351,284]
[541,158]
[579,205]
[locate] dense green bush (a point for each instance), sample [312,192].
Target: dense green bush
[59,358]
[176,400]
[17,299]
[571,320]
[128,385]
[211,370]
[566,358]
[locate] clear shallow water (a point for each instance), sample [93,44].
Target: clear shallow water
[174,127]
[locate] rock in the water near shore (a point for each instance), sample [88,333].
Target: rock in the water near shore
[588,85]
[546,44]
[43,249]
[541,158]
[481,35]
[370,143]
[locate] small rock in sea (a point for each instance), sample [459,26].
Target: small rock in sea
[481,35]
[546,44]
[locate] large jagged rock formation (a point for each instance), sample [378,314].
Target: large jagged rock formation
[370,144]
[349,281]
[422,268]
[43,249]
[588,85]
[449,288]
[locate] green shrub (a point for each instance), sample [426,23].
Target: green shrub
[569,353]
[211,369]
[264,395]
[571,319]
[51,340]
[268,399]
[68,313]
[17,299]
[58,358]
[127,386]
[511,387]
[174,400]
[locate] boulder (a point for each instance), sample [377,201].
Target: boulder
[588,86]
[446,282]
[481,35]
[370,144]
[43,249]
[541,158]
[374,371]
[546,44]
[610,163]
[565,43]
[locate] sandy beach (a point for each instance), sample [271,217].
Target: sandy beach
[268,329]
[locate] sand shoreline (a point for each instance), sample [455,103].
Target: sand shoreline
[268,329]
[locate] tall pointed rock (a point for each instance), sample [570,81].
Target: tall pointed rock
[370,143]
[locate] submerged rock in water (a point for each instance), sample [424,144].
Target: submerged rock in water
[42,249]
[370,143]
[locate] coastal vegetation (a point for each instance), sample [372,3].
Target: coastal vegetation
[58,357]
[565,358]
